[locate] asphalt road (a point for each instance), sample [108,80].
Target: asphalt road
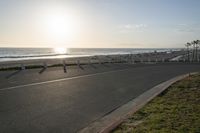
[57,102]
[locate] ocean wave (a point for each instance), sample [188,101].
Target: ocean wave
[28,56]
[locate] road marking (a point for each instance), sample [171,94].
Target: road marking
[62,79]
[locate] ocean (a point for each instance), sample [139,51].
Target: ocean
[13,54]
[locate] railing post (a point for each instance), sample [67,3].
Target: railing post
[149,60]
[64,66]
[78,63]
[110,61]
[23,67]
[100,62]
[89,62]
[133,61]
[44,65]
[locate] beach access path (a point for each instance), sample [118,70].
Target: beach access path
[58,102]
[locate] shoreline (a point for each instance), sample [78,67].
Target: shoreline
[17,54]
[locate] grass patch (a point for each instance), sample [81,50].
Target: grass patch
[49,66]
[32,67]
[18,68]
[176,110]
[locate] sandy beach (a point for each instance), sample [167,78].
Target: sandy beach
[118,58]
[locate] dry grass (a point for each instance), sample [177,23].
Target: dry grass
[176,110]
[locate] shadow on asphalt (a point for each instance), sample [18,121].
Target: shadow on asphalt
[93,66]
[81,67]
[41,71]
[12,74]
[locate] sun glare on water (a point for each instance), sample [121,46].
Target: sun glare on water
[60,50]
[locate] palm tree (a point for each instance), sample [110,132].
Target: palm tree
[193,50]
[188,50]
[196,49]
[198,45]
[196,42]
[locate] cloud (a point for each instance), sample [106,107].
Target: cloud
[187,28]
[128,26]
[132,27]
[139,26]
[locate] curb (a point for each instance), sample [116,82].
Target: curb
[112,120]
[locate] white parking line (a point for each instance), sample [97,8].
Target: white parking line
[63,79]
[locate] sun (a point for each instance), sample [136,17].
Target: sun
[60,26]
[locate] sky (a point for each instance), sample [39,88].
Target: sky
[99,23]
